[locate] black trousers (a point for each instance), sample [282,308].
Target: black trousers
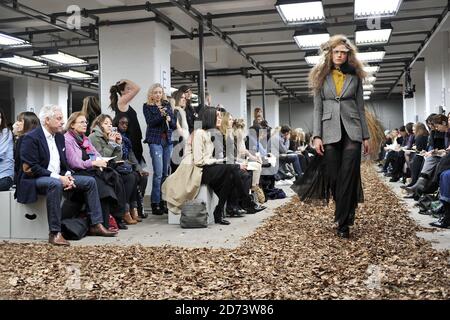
[223,179]
[246,181]
[343,160]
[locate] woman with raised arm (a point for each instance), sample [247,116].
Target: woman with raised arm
[121,95]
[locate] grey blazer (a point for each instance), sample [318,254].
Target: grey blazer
[329,109]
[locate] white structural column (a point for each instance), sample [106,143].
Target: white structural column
[231,92]
[414,108]
[32,94]
[139,52]
[436,59]
[272,109]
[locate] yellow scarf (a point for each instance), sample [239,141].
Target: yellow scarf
[338,79]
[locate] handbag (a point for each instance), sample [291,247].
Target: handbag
[74,228]
[194,215]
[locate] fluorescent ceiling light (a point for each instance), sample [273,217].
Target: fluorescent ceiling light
[372,69]
[300,12]
[376,8]
[307,41]
[59,57]
[367,93]
[72,74]
[372,56]
[312,58]
[10,41]
[370,80]
[366,97]
[364,36]
[368,87]
[22,62]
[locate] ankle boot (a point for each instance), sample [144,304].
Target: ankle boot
[420,185]
[343,232]
[156,209]
[140,208]
[163,207]
[218,216]
[128,219]
[135,215]
[443,222]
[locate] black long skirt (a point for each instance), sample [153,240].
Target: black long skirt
[335,175]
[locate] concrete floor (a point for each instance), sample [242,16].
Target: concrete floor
[439,238]
[155,231]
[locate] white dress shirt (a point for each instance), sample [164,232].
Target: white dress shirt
[54,165]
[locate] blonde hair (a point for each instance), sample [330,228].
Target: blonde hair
[150,100]
[318,74]
[298,135]
[225,122]
[73,117]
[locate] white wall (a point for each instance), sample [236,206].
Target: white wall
[31,94]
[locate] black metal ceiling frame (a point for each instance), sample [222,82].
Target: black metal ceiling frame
[421,47]
[193,13]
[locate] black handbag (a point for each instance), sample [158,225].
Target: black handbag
[74,228]
[194,215]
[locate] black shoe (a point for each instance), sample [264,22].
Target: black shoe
[409,196]
[163,207]
[121,224]
[394,179]
[343,232]
[218,216]
[235,212]
[140,207]
[156,210]
[441,223]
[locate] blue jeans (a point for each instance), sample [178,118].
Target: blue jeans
[5,183]
[444,186]
[160,154]
[53,188]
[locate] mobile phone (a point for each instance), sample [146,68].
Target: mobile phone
[114,129]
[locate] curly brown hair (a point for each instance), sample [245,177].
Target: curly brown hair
[323,68]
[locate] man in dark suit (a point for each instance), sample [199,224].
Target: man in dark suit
[44,170]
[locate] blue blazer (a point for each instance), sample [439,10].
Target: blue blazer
[34,153]
[156,124]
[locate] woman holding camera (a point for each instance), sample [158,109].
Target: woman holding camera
[160,124]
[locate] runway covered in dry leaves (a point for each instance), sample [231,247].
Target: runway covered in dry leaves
[293,255]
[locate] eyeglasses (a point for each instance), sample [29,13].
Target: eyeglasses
[336,52]
[123,122]
[82,122]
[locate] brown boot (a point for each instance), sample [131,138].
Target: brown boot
[57,239]
[128,219]
[259,194]
[135,215]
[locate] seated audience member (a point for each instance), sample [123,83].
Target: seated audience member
[239,133]
[83,158]
[26,121]
[434,156]
[234,154]
[109,145]
[181,134]
[44,170]
[200,167]
[285,155]
[6,154]
[444,188]
[416,159]
[129,156]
